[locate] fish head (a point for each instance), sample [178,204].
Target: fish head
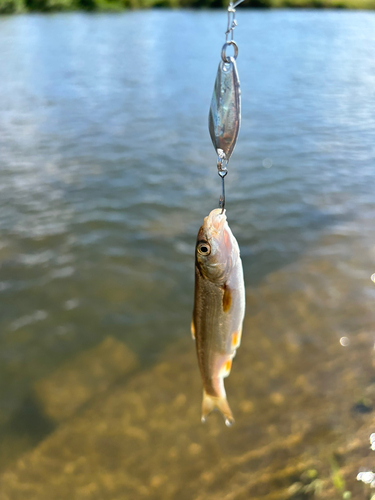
[216,248]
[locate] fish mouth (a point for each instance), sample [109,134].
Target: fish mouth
[216,220]
[218,227]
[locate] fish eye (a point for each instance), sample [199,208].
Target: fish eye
[204,248]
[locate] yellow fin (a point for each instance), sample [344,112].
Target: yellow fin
[225,370]
[192,328]
[236,339]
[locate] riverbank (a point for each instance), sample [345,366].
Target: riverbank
[23,6]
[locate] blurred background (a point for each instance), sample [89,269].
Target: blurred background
[106,173]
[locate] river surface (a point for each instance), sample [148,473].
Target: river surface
[107,170]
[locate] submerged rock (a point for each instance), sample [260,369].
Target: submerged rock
[77,381]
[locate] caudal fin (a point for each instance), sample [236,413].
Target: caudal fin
[211,402]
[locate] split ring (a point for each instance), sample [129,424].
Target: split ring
[223,51]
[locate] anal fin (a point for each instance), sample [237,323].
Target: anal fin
[236,339]
[225,370]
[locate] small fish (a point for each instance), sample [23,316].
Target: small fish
[224,118]
[219,308]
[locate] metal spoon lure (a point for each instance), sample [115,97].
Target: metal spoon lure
[224,117]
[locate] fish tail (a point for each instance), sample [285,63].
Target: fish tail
[211,402]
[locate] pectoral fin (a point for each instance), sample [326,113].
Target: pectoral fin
[227,298]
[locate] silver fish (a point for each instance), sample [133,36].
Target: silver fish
[219,308]
[224,118]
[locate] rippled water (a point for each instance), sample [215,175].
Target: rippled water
[107,170]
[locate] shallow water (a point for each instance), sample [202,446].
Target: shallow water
[107,171]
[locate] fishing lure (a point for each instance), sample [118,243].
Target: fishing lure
[219,299]
[224,118]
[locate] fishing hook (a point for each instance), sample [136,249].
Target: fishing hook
[222,170]
[222,197]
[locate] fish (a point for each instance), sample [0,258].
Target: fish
[224,118]
[219,309]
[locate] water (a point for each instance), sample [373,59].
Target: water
[107,171]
